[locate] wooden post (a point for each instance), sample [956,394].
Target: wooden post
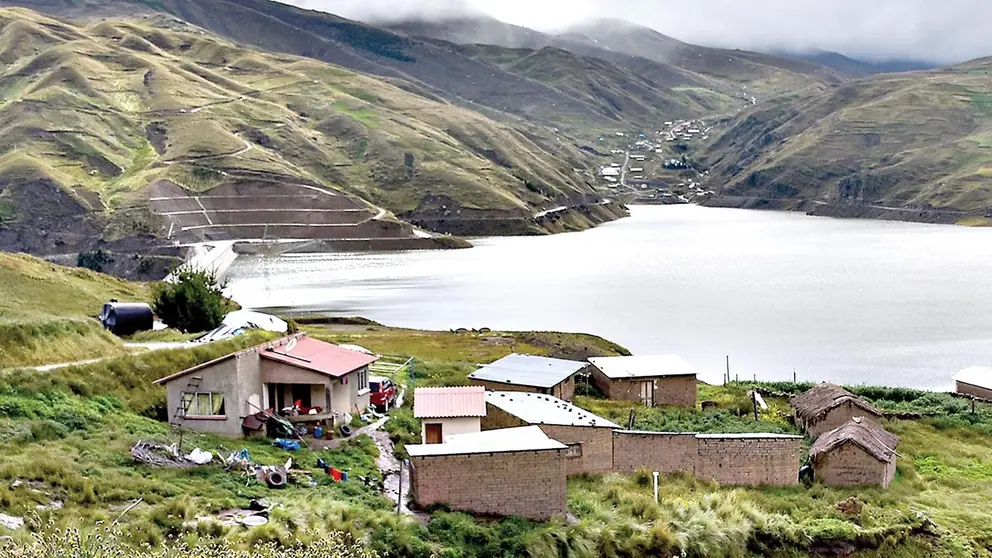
[793,375]
[973,406]
[728,370]
[399,497]
[754,402]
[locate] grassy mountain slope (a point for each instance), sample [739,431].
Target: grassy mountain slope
[47,311]
[95,115]
[644,53]
[855,68]
[921,139]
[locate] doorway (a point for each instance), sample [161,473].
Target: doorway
[433,433]
[647,394]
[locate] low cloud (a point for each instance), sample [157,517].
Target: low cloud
[948,31]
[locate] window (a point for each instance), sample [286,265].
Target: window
[363,379]
[203,404]
[573,450]
[374,386]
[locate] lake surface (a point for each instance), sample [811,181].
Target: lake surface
[843,300]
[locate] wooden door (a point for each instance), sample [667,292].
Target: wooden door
[647,394]
[433,433]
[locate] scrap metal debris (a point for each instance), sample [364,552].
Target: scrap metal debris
[161,455]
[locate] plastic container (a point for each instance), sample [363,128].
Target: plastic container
[344,476]
[318,432]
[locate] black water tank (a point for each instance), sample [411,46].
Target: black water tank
[127,318]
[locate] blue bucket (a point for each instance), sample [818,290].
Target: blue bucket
[318,432]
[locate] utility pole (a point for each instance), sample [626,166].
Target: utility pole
[728,370]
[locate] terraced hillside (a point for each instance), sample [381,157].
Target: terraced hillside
[100,118]
[917,141]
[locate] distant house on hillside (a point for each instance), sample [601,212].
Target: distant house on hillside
[535,374]
[447,411]
[975,381]
[651,380]
[320,380]
[826,407]
[589,437]
[859,453]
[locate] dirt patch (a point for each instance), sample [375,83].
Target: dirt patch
[157,135]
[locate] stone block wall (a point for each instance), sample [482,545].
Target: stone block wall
[664,452]
[527,484]
[727,459]
[750,460]
[594,444]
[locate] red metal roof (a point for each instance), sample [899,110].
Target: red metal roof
[449,402]
[318,356]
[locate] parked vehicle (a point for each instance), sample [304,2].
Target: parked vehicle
[383,392]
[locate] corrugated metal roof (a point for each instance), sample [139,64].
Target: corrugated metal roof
[504,440]
[534,408]
[528,370]
[978,376]
[449,402]
[643,366]
[318,356]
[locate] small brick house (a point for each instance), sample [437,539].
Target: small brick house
[589,437]
[506,472]
[826,407]
[446,411]
[528,373]
[219,395]
[649,380]
[859,453]
[975,381]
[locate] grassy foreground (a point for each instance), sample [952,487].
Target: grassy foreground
[65,437]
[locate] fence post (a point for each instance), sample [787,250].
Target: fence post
[656,487]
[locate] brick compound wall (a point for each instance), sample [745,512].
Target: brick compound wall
[528,484]
[749,459]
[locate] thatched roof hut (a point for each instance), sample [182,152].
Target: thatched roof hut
[827,406]
[858,453]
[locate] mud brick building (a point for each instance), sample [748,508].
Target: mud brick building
[975,381]
[507,472]
[826,407]
[859,453]
[649,380]
[589,437]
[527,373]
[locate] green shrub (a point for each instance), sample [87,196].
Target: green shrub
[193,302]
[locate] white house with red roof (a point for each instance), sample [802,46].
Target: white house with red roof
[311,379]
[448,411]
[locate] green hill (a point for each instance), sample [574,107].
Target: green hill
[47,312]
[913,140]
[100,118]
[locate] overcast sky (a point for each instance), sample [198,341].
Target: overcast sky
[945,31]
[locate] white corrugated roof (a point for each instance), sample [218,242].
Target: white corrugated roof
[979,376]
[528,370]
[643,366]
[504,440]
[534,408]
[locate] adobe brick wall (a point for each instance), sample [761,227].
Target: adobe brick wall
[565,390]
[496,386]
[596,443]
[849,465]
[528,484]
[498,418]
[968,389]
[727,460]
[657,451]
[836,418]
[674,390]
[749,461]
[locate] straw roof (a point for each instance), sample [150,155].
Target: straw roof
[814,404]
[878,442]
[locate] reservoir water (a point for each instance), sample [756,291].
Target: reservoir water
[849,301]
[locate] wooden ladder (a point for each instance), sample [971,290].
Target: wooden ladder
[180,416]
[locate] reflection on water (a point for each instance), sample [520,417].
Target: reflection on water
[850,301]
